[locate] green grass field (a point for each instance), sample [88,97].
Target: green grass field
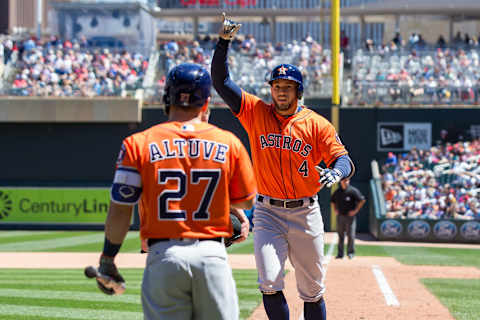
[66,294]
[460,296]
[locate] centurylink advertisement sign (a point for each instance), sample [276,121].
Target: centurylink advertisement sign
[52,205]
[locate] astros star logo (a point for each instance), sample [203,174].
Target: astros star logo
[282,70]
[184,97]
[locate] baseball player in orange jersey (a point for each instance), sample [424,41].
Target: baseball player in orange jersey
[187,175]
[287,142]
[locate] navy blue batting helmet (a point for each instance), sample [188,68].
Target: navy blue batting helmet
[288,72]
[187,85]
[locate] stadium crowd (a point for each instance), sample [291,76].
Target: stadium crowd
[400,72]
[311,58]
[415,72]
[72,68]
[57,67]
[440,183]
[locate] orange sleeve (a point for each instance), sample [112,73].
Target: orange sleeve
[249,101]
[129,155]
[331,147]
[243,185]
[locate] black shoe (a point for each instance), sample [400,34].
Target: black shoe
[351,255]
[339,257]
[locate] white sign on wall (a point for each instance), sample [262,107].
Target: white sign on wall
[400,136]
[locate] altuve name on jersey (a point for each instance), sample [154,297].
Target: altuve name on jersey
[193,148]
[275,140]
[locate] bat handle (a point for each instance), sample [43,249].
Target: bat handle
[90,272]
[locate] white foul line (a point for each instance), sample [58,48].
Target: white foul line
[328,257]
[326,260]
[390,298]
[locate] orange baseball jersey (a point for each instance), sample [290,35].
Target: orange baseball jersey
[286,150]
[188,174]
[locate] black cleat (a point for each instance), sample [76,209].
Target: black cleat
[339,257]
[350,256]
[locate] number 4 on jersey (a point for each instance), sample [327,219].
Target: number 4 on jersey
[304,168]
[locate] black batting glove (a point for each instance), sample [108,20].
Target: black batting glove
[108,268]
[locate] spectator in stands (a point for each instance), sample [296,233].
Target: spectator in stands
[476,90]
[397,39]
[458,38]
[279,47]
[369,46]
[7,50]
[344,41]
[413,39]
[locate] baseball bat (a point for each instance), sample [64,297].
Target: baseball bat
[107,281]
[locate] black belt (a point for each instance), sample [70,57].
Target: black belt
[285,203]
[151,242]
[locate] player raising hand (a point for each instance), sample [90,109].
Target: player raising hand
[287,142]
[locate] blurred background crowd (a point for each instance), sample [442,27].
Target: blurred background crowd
[415,72]
[400,72]
[439,183]
[64,68]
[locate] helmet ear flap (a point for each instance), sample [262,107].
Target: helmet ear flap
[166,100]
[299,93]
[166,97]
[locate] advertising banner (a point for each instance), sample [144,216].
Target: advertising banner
[464,231]
[53,205]
[393,136]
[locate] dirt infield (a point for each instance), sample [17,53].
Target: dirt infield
[353,291]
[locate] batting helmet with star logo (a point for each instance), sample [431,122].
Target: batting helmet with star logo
[288,72]
[187,85]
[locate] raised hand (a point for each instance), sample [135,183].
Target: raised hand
[229,28]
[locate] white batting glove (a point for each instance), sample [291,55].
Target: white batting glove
[328,177]
[229,28]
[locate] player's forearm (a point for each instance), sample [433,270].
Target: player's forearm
[345,165]
[246,205]
[118,222]
[226,88]
[239,214]
[360,205]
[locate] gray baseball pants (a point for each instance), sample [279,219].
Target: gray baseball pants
[188,279]
[296,233]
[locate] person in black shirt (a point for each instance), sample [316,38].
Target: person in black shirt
[347,201]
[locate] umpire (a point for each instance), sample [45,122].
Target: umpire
[347,201]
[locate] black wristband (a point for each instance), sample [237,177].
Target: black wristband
[110,249]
